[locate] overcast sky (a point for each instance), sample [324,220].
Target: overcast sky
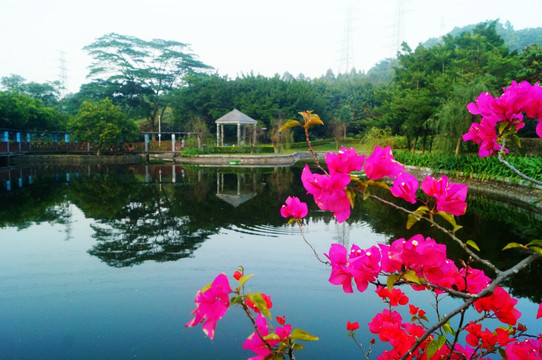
[237,36]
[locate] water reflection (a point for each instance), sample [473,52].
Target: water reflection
[164,213]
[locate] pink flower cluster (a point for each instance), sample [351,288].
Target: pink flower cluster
[510,107]
[424,256]
[329,189]
[428,260]
[389,327]
[449,197]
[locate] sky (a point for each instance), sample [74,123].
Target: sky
[42,39]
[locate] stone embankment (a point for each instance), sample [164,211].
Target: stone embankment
[238,159]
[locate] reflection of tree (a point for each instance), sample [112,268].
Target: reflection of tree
[104,194]
[145,229]
[33,205]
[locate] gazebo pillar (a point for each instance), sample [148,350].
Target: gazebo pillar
[217,134]
[238,133]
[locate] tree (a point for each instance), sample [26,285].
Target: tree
[48,93]
[145,71]
[103,124]
[19,111]
[198,127]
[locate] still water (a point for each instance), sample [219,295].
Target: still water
[104,262]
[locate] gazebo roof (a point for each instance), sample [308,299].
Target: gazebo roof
[236,117]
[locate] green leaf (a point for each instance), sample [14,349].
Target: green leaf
[260,303]
[473,245]
[271,336]
[392,279]
[536,249]
[448,329]
[451,219]
[435,346]
[291,221]
[411,276]
[313,119]
[298,334]
[422,210]
[502,353]
[297,346]
[244,279]
[513,245]
[535,243]
[412,219]
[290,124]
[236,299]
[351,195]
[380,184]
[515,140]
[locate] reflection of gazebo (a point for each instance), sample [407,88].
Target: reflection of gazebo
[233,197]
[235,117]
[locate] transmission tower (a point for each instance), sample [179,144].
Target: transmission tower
[348,43]
[398,27]
[62,77]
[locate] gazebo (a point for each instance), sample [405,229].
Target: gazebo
[235,117]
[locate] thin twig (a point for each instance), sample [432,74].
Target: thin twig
[312,248]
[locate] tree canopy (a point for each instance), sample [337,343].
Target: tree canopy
[144,72]
[102,124]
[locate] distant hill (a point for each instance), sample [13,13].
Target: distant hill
[514,39]
[383,71]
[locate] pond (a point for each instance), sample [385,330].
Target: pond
[104,262]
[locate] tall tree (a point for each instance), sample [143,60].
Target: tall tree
[147,71]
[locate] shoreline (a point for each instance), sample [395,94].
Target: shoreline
[521,194]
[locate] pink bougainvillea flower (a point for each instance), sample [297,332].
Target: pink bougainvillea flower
[528,349]
[256,344]
[539,128]
[237,275]
[539,313]
[394,296]
[284,332]
[352,326]
[281,319]
[329,192]
[476,280]
[533,107]
[211,305]
[483,105]
[385,324]
[360,265]
[484,134]
[450,197]
[405,187]
[340,274]
[381,163]
[294,208]
[345,161]
[501,304]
